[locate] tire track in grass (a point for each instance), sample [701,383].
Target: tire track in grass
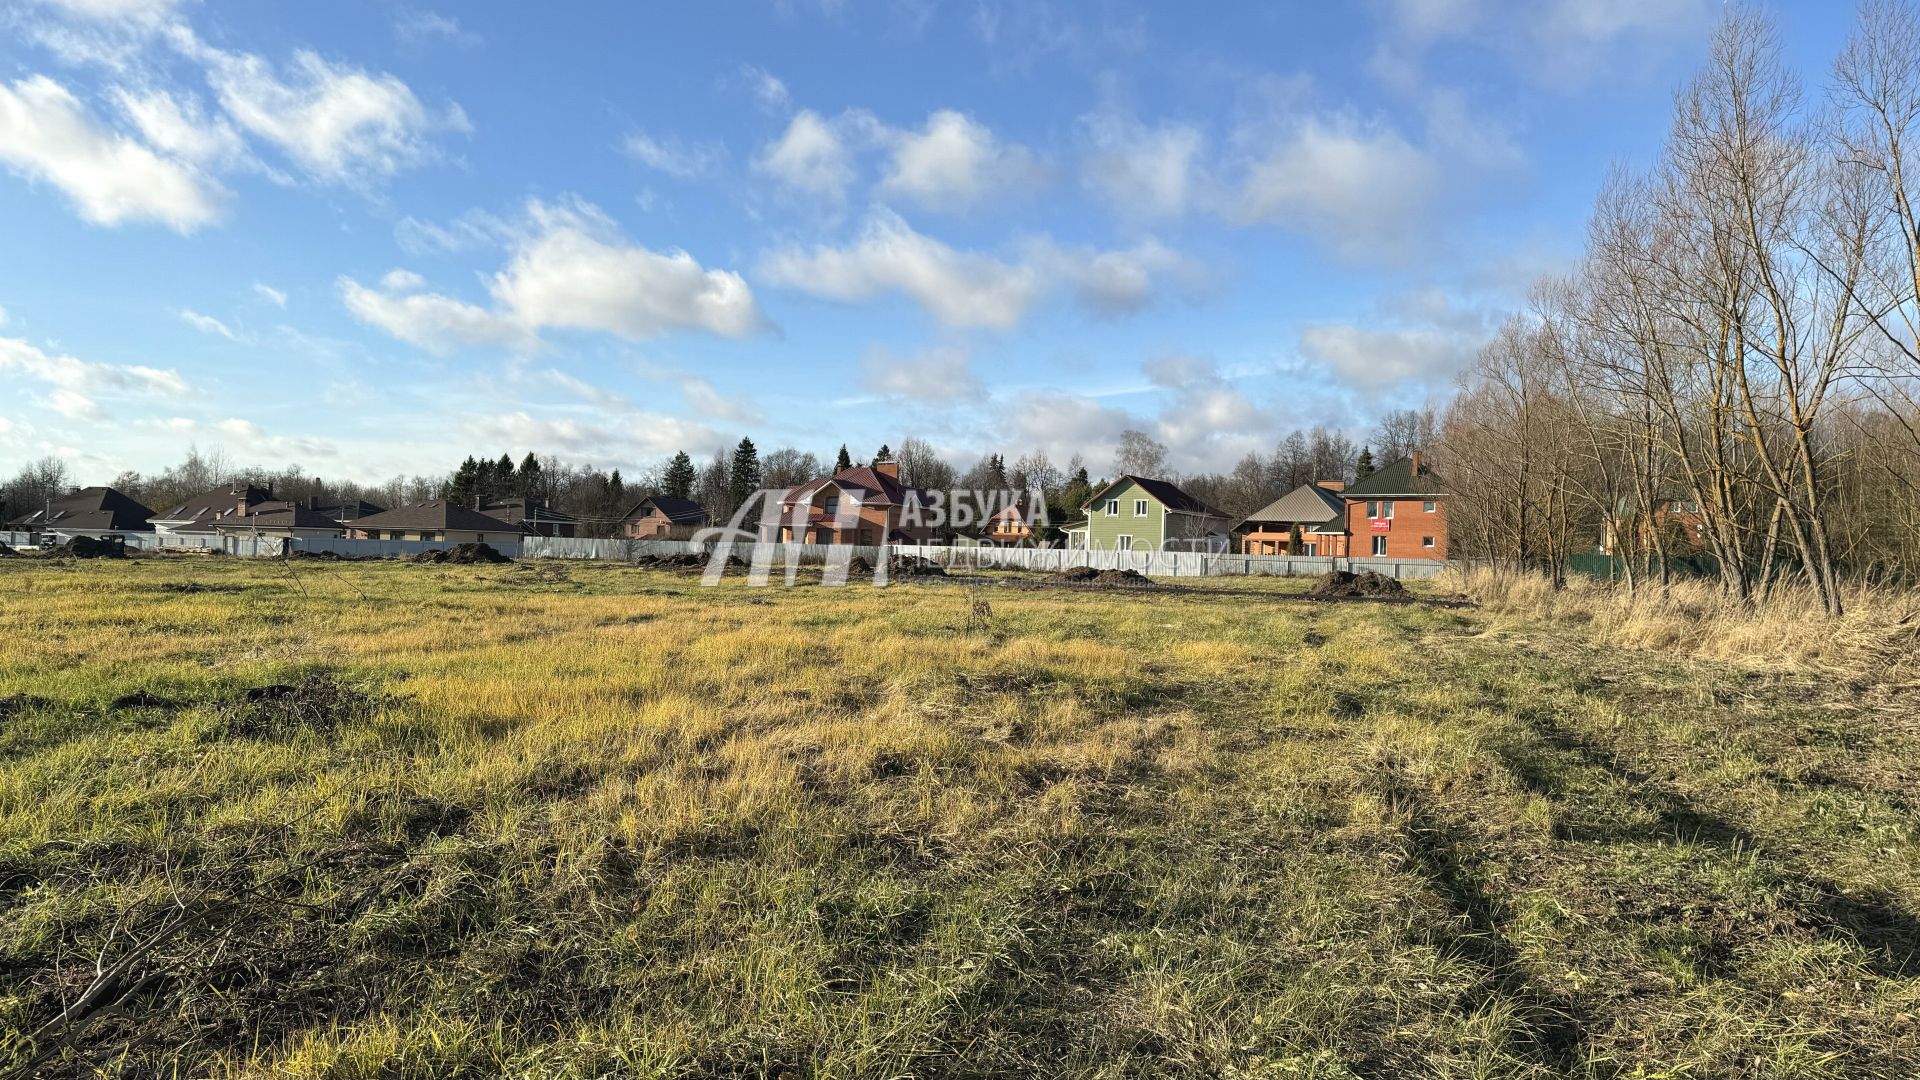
[1887,933]
[1553,1031]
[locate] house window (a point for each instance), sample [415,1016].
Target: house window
[1426,541]
[866,536]
[1113,507]
[1373,509]
[1139,508]
[1310,550]
[1428,506]
[1379,545]
[1123,542]
[832,505]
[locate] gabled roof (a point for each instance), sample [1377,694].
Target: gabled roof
[1164,492]
[279,515]
[873,487]
[525,514]
[94,509]
[437,515]
[1398,478]
[678,511]
[350,509]
[197,513]
[1308,504]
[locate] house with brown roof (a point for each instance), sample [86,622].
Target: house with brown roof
[437,520]
[663,517]
[1007,527]
[533,518]
[863,504]
[94,511]
[302,520]
[1309,520]
[196,516]
[1398,512]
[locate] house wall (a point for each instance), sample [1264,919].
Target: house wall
[442,536]
[1148,531]
[1406,531]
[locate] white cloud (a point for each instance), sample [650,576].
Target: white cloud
[1147,172]
[419,27]
[1362,188]
[670,156]
[46,134]
[207,324]
[180,127]
[73,384]
[1562,44]
[702,396]
[338,123]
[1422,339]
[943,374]
[812,155]
[954,161]
[436,323]
[139,11]
[964,289]
[958,288]
[769,91]
[632,436]
[570,269]
[270,294]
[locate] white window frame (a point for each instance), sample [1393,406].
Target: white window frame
[1426,541]
[1379,547]
[1428,506]
[1309,549]
[1113,507]
[1139,508]
[1123,542]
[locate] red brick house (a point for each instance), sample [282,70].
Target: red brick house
[663,517]
[1007,527]
[865,504]
[1399,512]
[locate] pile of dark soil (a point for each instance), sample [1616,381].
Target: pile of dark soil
[914,566]
[88,547]
[320,702]
[1087,575]
[732,560]
[1366,583]
[198,587]
[463,555]
[859,565]
[7,552]
[672,562]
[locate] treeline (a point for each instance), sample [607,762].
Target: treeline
[1735,355]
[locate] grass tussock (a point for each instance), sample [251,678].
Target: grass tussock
[1877,638]
[406,821]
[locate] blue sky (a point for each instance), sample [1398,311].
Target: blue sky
[372,238]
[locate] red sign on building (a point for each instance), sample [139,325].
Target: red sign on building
[1382,524]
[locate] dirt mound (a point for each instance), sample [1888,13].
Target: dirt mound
[463,555]
[732,560]
[1366,583]
[859,565]
[914,566]
[1087,575]
[7,552]
[686,561]
[88,547]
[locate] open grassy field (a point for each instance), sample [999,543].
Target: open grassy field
[385,820]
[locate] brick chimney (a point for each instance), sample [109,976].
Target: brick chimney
[887,468]
[1331,485]
[1414,459]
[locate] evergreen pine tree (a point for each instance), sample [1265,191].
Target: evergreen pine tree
[885,454]
[743,477]
[844,461]
[526,482]
[677,482]
[1363,468]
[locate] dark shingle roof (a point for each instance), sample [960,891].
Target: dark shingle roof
[1308,504]
[94,509]
[279,515]
[874,487]
[200,511]
[678,511]
[435,514]
[527,511]
[1167,494]
[1397,479]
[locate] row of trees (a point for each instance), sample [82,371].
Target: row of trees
[1735,356]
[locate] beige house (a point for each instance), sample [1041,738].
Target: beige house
[437,520]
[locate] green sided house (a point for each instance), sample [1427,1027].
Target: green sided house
[1135,513]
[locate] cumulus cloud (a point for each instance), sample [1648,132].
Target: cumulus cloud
[940,375]
[670,156]
[46,134]
[179,126]
[1422,338]
[813,155]
[702,397]
[969,289]
[630,436]
[73,384]
[1361,187]
[1557,43]
[1143,171]
[338,123]
[954,161]
[270,294]
[768,90]
[569,269]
